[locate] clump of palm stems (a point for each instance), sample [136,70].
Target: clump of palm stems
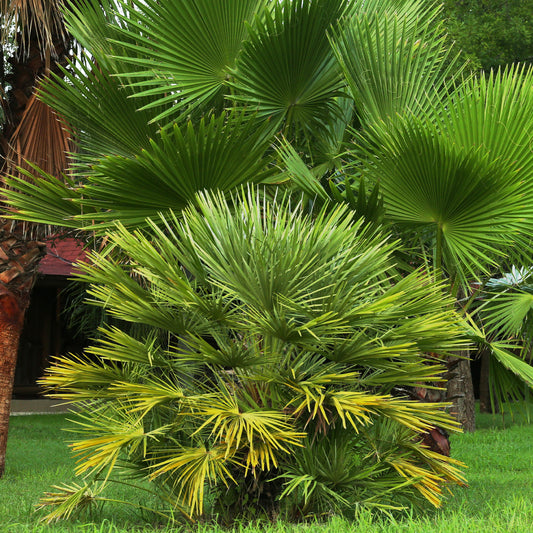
[266,377]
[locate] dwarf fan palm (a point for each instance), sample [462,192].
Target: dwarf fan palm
[275,331]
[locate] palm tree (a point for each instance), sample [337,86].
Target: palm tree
[31,134]
[452,160]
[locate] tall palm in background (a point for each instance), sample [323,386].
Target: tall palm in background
[32,133]
[171,101]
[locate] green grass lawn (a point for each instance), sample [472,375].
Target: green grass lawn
[499,497]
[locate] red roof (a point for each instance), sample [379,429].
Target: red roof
[61,256]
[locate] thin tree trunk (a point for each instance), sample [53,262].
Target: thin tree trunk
[460,391]
[19,257]
[11,321]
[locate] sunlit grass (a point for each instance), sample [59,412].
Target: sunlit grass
[499,497]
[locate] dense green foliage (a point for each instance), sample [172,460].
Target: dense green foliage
[493,33]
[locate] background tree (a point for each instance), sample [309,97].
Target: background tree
[494,33]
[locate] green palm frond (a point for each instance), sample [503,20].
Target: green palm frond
[127,300]
[506,313]
[474,208]
[287,69]
[184,51]
[299,173]
[322,471]
[394,60]
[220,153]
[99,110]
[510,372]
[99,107]
[273,278]
[240,353]
[510,377]
[42,198]
[495,115]
[117,345]
[96,26]
[510,361]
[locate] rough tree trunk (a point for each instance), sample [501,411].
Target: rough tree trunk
[19,258]
[460,391]
[11,320]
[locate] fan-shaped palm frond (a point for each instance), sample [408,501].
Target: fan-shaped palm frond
[185,51]
[40,139]
[287,69]
[495,115]
[505,313]
[476,208]
[220,153]
[99,109]
[394,60]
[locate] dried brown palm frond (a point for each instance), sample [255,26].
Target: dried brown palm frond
[42,18]
[42,139]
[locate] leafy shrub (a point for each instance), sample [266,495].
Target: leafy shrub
[268,375]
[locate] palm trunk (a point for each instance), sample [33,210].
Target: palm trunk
[485,404]
[11,320]
[460,391]
[19,258]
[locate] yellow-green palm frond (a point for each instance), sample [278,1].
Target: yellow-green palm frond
[146,396]
[70,499]
[237,426]
[427,483]
[357,408]
[78,378]
[428,477]
[262,455]
[446,467]
[114,431]
[189,469]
